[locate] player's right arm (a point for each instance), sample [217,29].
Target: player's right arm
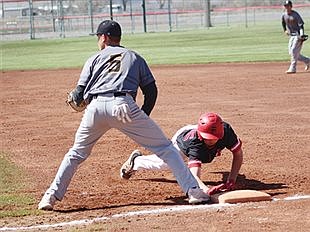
[284,25]
[195,168]
[195,172]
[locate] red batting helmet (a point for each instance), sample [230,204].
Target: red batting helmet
[210,126]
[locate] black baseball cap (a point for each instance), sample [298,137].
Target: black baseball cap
[286,3]
[110,28]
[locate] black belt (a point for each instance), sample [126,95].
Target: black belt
[116,94]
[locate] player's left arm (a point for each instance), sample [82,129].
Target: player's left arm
[300,23]
[235,168]
[236,164]
[302,36]
[301,30]
[150,95]
[234,144]
[284,25]
[148,86]
[230,183]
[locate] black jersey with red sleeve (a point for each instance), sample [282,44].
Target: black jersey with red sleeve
[196,150]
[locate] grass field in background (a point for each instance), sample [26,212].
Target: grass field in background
[261,42]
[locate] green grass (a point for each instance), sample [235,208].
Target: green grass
[234,44]
[261,42]
[13,202]
[45,54]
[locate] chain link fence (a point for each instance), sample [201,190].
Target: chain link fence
[34,19]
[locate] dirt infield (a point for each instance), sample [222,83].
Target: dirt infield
[268,109]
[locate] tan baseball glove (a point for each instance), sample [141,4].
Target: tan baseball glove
[75,99]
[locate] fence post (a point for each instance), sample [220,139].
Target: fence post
[254,17]
[227,18]
[90,12]
[31,24]
[60,11]
[144,15]
[132,18]
[208,13]
[169,13]
[246,13]
[53,17]
[2,9]
[111,10]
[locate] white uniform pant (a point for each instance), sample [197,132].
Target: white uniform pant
[153,162]
[294,49]
[97,120]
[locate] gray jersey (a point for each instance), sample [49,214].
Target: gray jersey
[114,69]
[293,22]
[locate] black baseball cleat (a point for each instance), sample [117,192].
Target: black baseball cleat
[126,170]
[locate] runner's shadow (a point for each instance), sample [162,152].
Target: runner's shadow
[242,183]
[245,183]
[164,180]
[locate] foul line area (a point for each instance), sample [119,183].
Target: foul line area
[139,213]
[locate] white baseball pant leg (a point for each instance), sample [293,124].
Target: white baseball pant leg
[153,162]
[294,48]
[97,120]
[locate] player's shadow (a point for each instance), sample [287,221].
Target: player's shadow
[172,201]
[245,183]
[242,183]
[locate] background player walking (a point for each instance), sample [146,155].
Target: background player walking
[200,143]
[293,25]
[109,81]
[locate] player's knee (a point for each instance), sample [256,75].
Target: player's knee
[76,156]
[166,152]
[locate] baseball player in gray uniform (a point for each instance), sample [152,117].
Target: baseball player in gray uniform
[109,82]
[293,25]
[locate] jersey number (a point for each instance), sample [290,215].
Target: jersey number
[115,63]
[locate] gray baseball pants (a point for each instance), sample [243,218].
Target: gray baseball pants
[97,120]
[294,49]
